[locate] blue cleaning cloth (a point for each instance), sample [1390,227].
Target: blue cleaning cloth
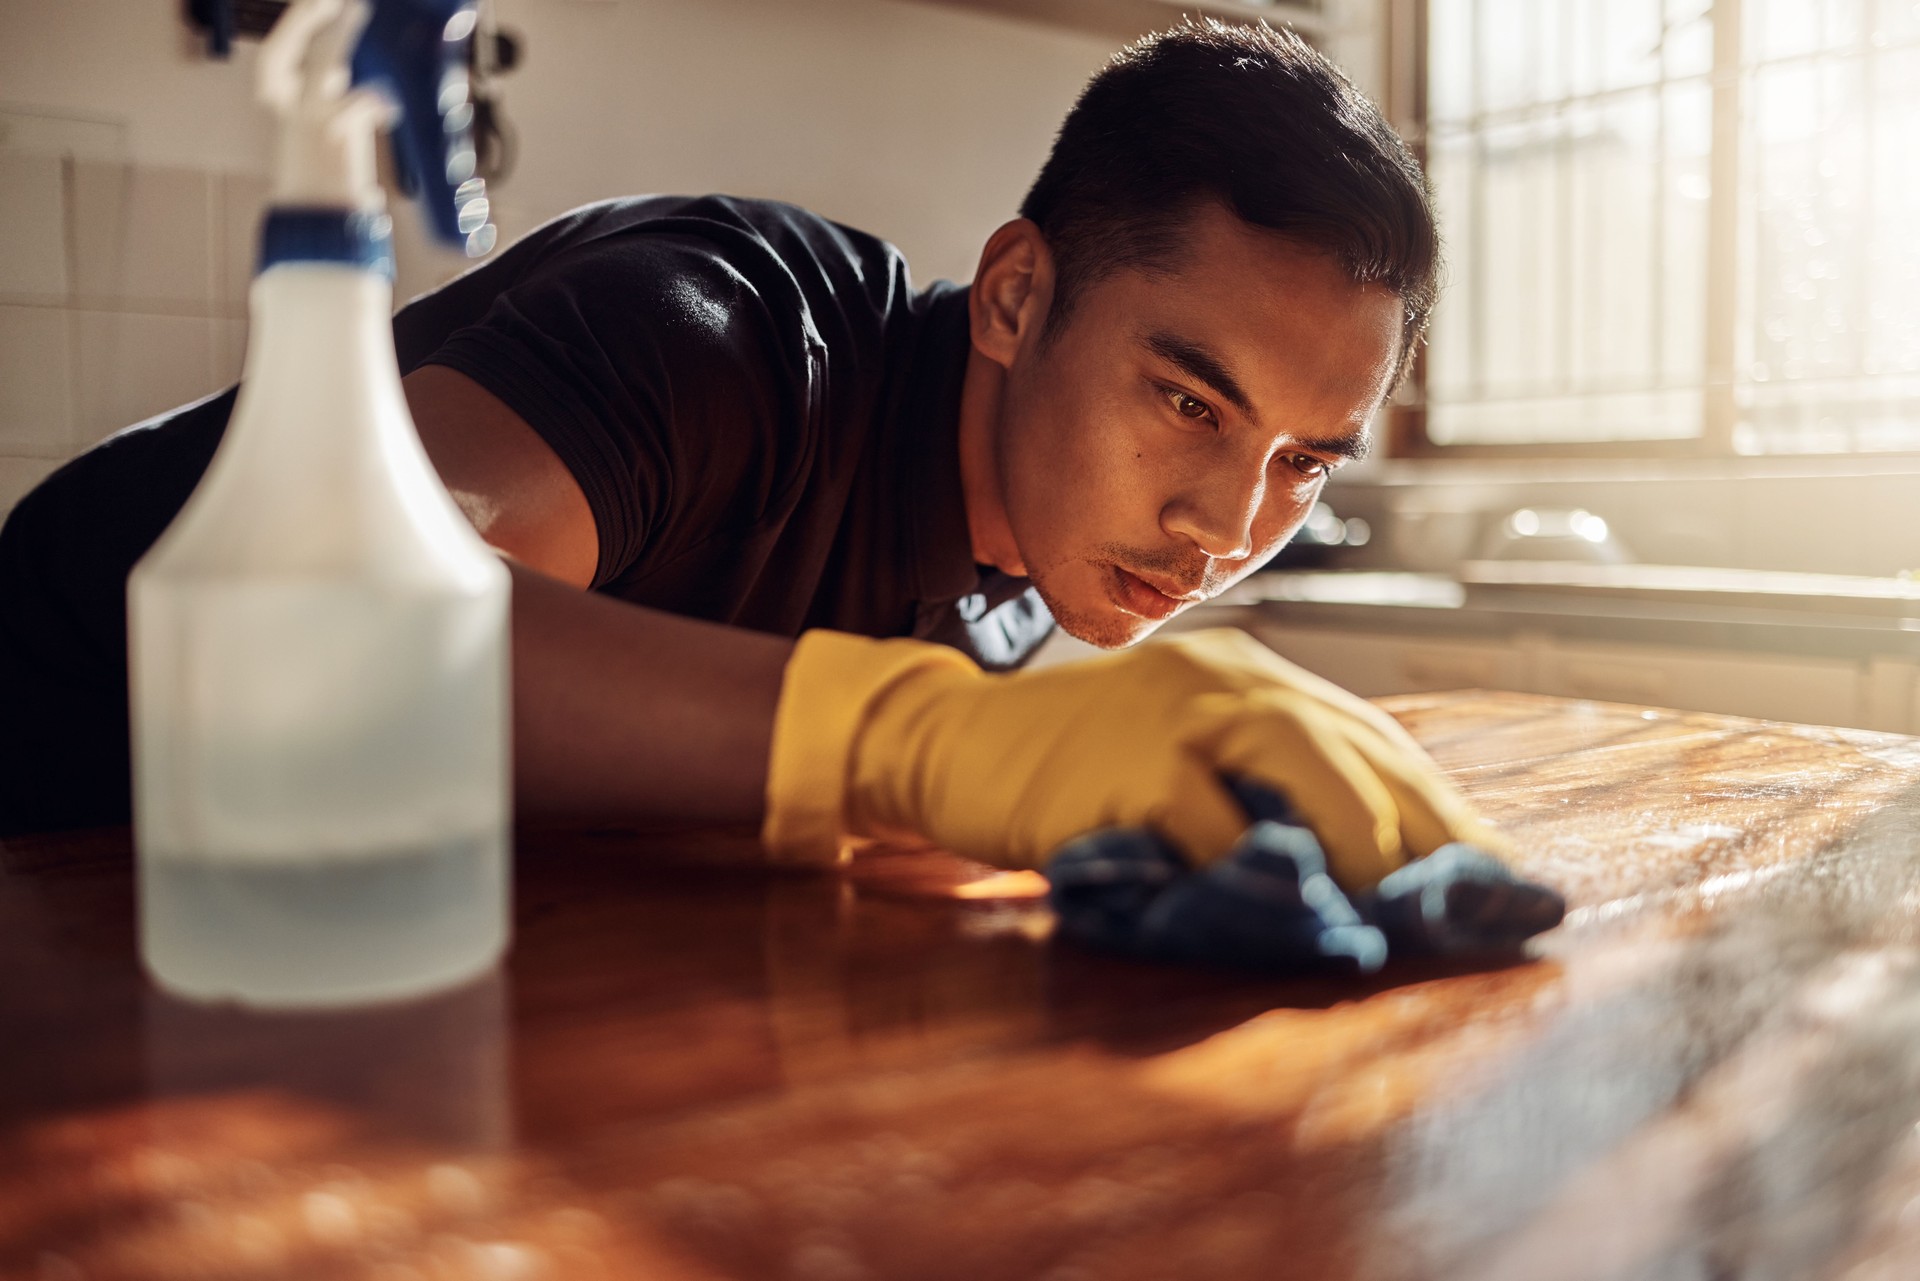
[1270,904]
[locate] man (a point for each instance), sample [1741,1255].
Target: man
[700,428]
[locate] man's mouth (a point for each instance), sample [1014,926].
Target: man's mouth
[1148,598]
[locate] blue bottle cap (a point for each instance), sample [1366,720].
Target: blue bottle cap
[351,237]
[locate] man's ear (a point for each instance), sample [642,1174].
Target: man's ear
[1012,291]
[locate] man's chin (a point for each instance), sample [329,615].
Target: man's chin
[1102,626]
[1114,634]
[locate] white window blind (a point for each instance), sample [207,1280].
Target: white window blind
[1673,220]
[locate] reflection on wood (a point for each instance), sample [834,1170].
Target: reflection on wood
[696,1067]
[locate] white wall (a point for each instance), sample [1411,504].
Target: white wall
[130,166]
[920,123]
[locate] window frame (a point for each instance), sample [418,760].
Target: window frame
[1404,424]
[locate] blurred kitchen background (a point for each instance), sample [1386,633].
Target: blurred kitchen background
[1665,446]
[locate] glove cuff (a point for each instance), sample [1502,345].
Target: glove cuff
[827,695]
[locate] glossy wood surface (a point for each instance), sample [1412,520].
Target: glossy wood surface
[696,1068]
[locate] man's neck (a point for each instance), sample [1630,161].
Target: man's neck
[980,480]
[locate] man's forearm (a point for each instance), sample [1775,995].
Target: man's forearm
[619,712]
[622,712]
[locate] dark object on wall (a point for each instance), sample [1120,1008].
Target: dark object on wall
[225,20]
[494,53]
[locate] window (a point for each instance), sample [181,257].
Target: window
[1672,225]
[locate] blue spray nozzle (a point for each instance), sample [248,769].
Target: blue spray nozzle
[417,51]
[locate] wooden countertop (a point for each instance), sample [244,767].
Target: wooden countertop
[700,1070]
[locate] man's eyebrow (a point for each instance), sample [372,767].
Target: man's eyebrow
[1196,361]
[1353,446]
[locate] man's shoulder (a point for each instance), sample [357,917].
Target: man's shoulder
[731,228]
[728,260]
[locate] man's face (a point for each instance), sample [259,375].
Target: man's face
[1177,431]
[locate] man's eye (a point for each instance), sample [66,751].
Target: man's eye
[1189,406]
[1307,465]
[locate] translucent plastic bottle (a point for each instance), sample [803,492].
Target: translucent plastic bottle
[318,659]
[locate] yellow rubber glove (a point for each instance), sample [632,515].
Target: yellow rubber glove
[909,742]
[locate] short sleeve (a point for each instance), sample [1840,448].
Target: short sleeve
[677,386]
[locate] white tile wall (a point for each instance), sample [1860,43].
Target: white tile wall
[239,204]
[229,350]
[122,295]
[36,383]
[129,366]
[33,265]
[142,238]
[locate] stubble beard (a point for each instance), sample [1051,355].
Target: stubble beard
[1106,629]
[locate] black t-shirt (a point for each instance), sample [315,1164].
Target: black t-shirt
[760,409]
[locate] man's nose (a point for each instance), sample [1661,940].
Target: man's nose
[1217,513]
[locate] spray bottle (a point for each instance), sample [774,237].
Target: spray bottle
[318,643]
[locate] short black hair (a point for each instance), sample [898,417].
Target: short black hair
[1256,119]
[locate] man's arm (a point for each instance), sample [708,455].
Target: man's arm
[507,480]
[622,712]
[618,711]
